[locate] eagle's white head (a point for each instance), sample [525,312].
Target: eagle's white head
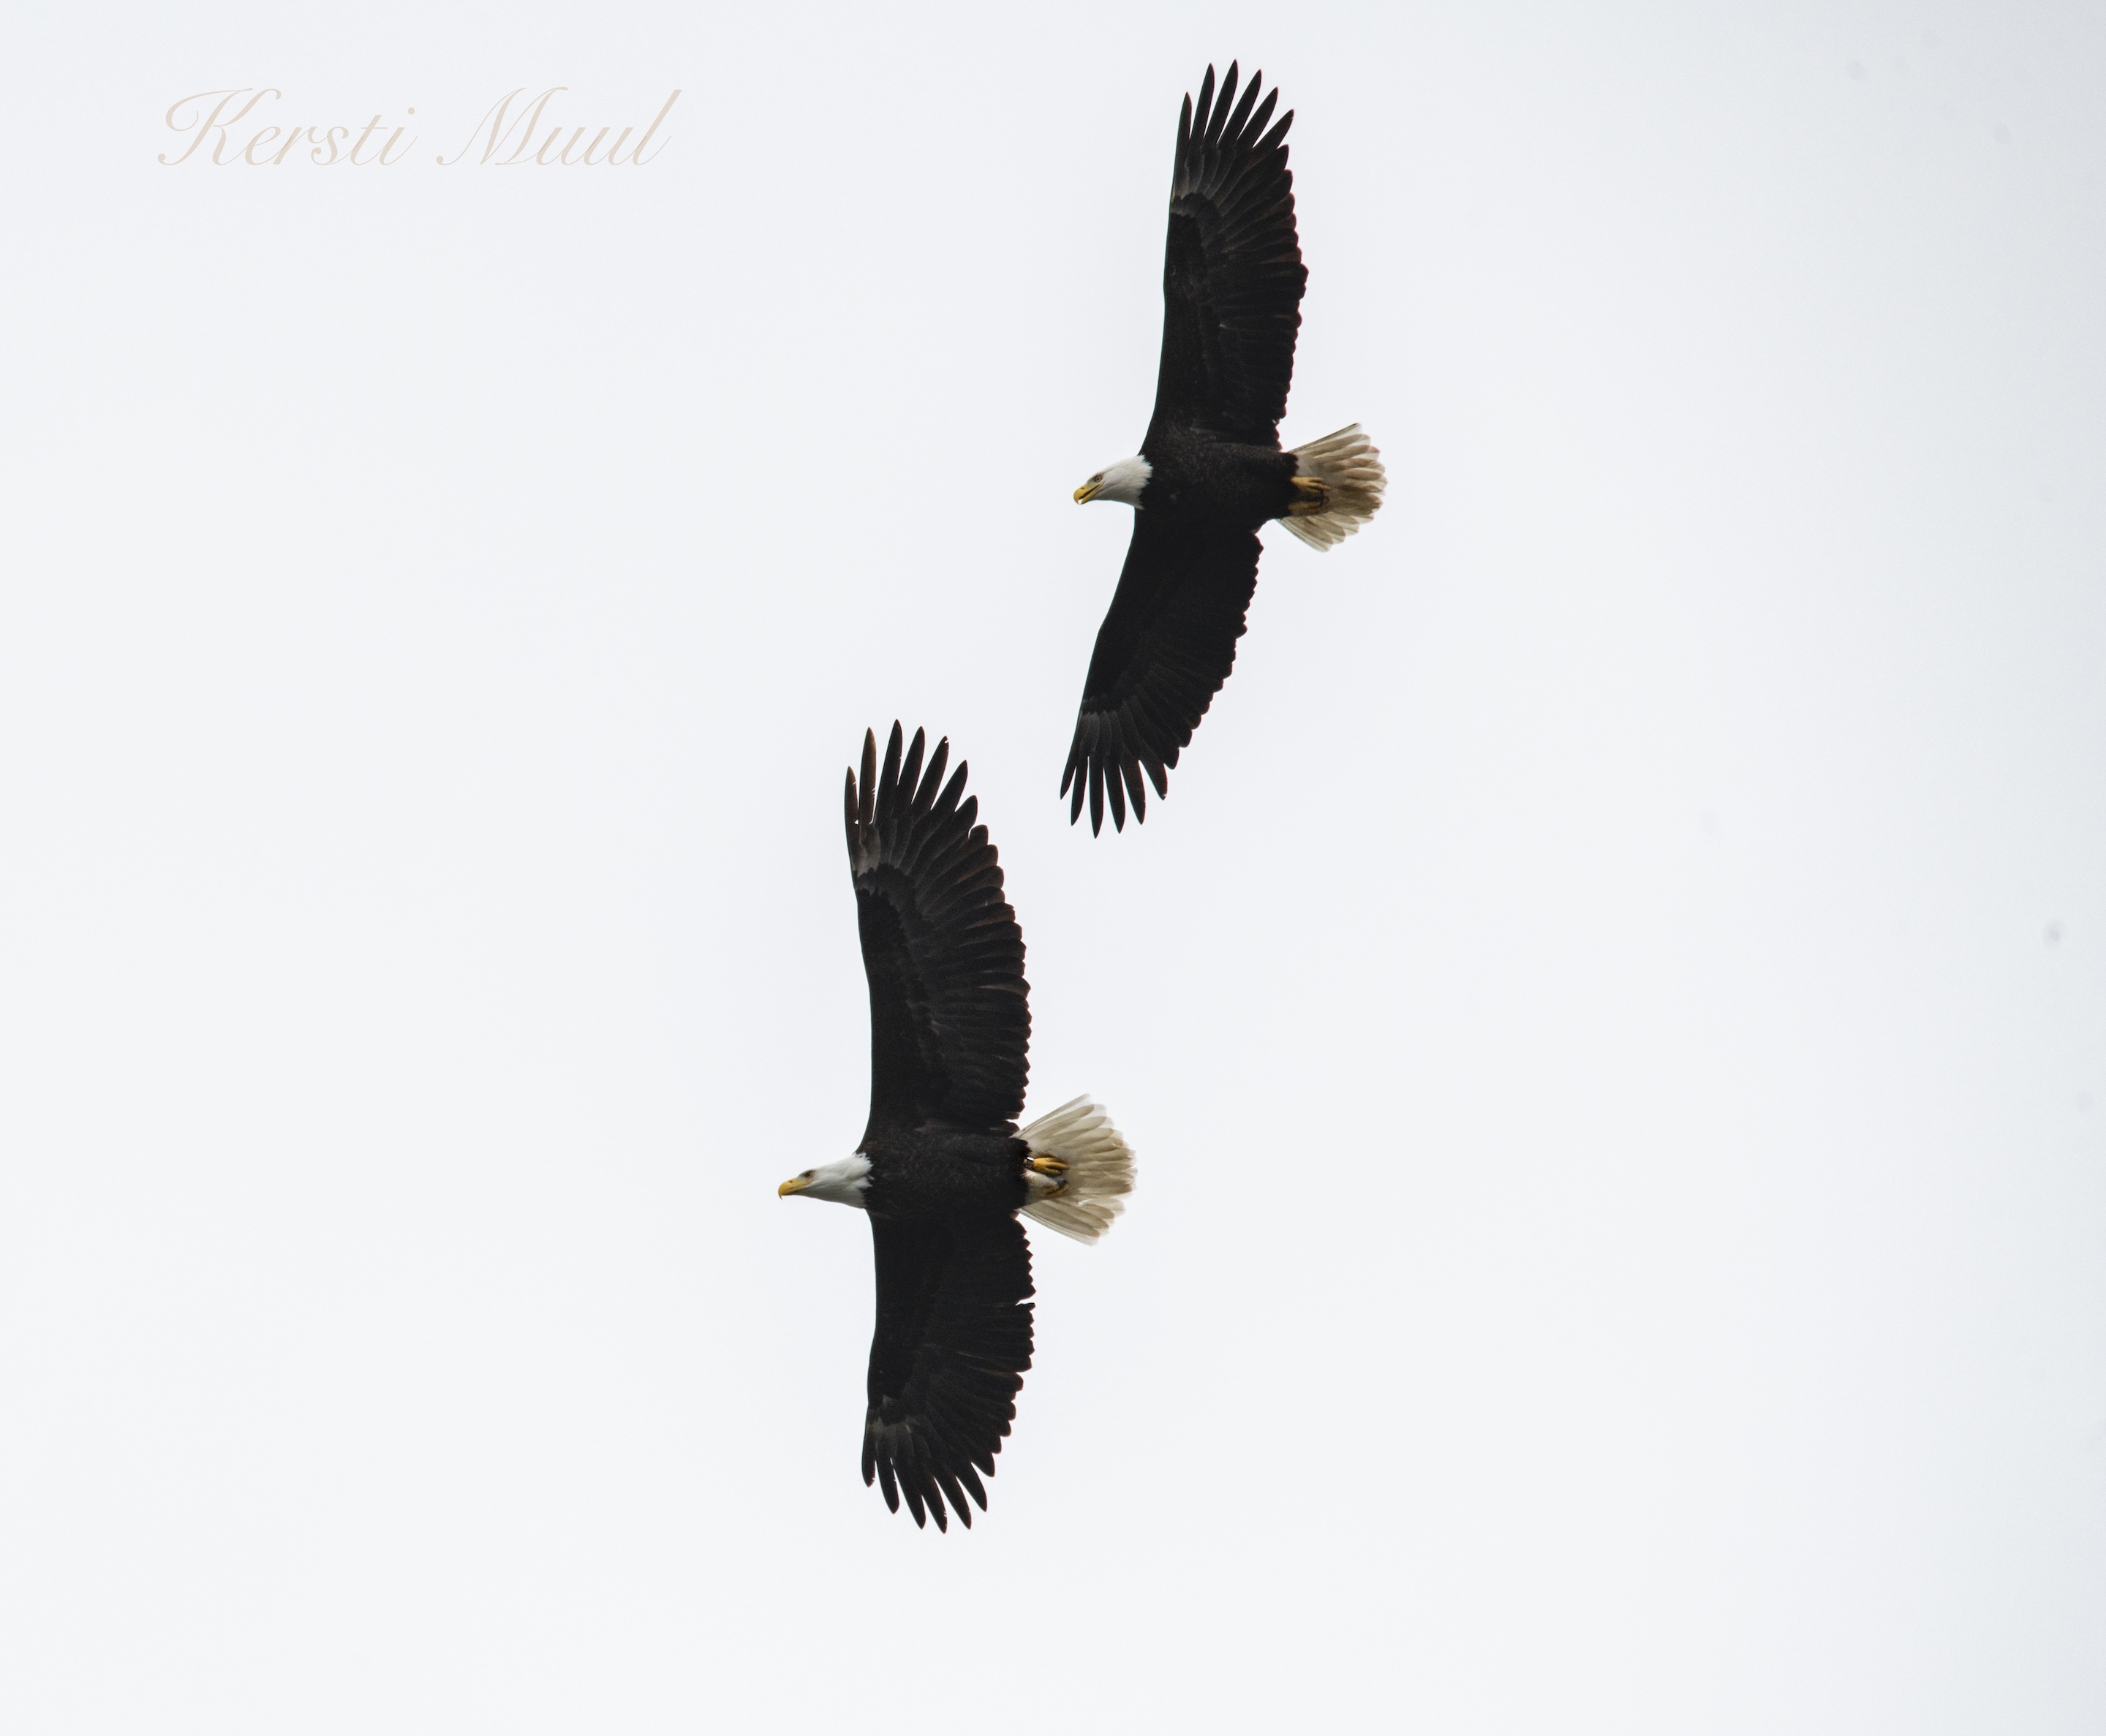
[843,1183]
[1122,481]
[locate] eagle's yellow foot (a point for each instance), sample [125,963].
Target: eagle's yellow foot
[1045,1177]
[1312,494]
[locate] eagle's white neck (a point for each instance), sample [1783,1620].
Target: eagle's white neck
[1124,481]
[845,1182]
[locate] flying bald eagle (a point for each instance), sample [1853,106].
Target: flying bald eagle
[1210,470]
[942,1171]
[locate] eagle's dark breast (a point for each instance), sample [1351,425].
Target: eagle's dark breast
[938,1173]
[1217,484]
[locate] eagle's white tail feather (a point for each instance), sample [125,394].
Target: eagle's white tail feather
[1348,462]
[1099,1169]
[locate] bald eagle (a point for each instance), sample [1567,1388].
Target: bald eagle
[1210,470]
[942,1171]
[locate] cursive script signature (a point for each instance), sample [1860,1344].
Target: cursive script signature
[507,135]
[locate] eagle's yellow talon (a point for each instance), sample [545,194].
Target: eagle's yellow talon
[1312,494]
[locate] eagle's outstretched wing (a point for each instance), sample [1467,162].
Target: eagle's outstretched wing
[1232,271]
[1167,645]
[953,1341]
[950,1022]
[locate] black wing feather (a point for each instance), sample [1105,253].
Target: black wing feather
[953,1341]
[1167,645]
[950,1019]
[1232,271]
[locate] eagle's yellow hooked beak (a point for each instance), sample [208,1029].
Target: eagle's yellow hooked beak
[1088,492]
[795,1185]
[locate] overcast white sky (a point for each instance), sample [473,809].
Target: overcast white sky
[1612,1014]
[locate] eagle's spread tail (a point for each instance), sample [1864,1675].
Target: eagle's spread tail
[1099,1174]
[1349,468]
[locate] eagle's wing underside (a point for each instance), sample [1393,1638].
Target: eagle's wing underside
[953,1341]
[1232,271]
[950,1022]
[1165,648]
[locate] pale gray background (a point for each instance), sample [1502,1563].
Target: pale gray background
[1613,1013]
